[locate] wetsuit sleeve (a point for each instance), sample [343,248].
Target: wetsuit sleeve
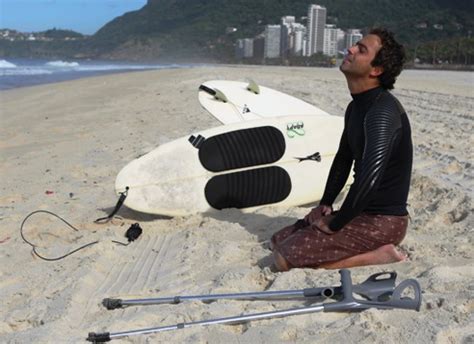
[381,129]
[340,169]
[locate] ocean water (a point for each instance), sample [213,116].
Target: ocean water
[16,73]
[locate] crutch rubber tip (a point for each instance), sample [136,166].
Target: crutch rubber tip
[112,303]
[98,337]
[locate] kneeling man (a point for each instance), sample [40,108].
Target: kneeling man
[377,139]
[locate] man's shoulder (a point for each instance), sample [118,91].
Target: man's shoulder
[388,103]
[386,111]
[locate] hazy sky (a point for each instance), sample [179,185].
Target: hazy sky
[84,16]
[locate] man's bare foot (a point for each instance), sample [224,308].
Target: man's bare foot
[383,255]
[281,264]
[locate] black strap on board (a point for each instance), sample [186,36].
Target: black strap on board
[119,204]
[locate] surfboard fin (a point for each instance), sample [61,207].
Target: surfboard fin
[197,141]
[220,96]
[253,87]
[207,89]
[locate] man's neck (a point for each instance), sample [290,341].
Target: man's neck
[357,86]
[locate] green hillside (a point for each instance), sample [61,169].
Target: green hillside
[197,29]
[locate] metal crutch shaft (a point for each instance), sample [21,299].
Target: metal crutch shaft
[105,337]
[372,288]
[111,303]
[348,303]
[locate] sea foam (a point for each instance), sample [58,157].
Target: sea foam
[62,64]
[24,72]
[6,64]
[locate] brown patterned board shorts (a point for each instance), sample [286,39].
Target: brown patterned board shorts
[305,246]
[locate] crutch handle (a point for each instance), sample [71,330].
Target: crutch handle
[395,299]
[377,287]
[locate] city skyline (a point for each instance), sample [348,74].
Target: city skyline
[290,38]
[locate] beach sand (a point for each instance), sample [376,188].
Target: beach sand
[62,145]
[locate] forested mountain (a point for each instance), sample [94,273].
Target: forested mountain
[177,27]
[186,29]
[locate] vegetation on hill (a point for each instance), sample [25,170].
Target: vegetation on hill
[61,34]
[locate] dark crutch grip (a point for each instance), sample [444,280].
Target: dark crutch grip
[112,303]
[98,337]
[396,299]
[377,287]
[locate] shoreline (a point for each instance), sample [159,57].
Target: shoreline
[63,144]
[18,73]
[37,80]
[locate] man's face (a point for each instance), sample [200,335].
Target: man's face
[357,61]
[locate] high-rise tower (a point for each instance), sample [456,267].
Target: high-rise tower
[315,31]
[272,41]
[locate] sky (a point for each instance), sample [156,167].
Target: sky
[84,16]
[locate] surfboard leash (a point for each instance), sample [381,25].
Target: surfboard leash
[35,252]
[132,234]
[123,196]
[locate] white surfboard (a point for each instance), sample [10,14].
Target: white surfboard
[235,101]
[281,161]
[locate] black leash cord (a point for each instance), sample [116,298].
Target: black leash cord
[120,243]
[34,246]
[64,256]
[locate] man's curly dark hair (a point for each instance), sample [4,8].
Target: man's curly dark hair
[390,57]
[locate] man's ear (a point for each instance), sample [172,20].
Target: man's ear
[376,71]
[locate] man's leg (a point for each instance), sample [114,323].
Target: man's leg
[284,233]
[383,255]
[367,240]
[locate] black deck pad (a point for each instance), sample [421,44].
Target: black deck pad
[242,148]
[249,188]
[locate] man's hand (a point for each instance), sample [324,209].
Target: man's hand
[322,224]
[317,213]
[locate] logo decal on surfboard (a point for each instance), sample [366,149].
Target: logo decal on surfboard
[313,157]
[295,129]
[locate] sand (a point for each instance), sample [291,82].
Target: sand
[62,145]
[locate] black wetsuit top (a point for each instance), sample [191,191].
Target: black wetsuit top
[377,138]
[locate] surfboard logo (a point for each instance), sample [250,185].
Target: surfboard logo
[313,157]
[295,129]
[245,109]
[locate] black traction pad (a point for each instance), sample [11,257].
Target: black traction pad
[242,148]
[249,188]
